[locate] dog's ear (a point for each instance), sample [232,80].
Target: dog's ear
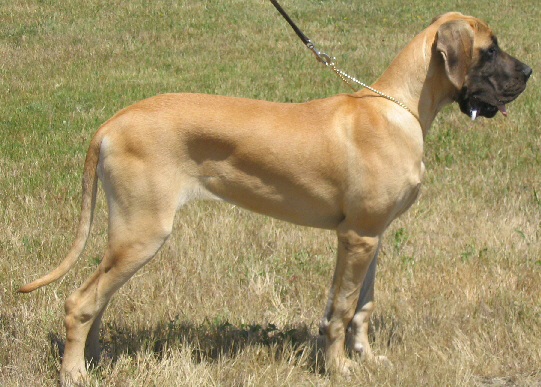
[455,43]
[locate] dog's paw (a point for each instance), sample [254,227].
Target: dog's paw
[383,361]
[346,366]
[358,347]
[342,367]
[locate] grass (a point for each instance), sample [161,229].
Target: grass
[234,298]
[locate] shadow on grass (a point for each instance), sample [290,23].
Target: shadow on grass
[213,340]
[209,341]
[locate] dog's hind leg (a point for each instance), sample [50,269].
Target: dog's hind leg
[92,348]
[140,220]
[125,255]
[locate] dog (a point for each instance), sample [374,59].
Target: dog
[350,163]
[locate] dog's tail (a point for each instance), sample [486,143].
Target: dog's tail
[90,184]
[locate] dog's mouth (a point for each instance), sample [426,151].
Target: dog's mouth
[479,103]
[475,107]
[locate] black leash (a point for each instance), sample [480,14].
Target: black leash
[321,56]
[328,61]
[297,30]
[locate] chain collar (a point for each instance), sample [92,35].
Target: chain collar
[328,61]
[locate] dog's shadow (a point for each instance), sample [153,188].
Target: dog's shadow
[208,341]
[211,341]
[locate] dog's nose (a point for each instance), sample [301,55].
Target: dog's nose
[527,70]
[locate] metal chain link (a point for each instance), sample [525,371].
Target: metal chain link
[328,61]
[343,75]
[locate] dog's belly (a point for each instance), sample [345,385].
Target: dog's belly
[308,201]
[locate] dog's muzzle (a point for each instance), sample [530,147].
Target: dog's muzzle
[477,101]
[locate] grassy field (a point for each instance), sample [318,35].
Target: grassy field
[233,298]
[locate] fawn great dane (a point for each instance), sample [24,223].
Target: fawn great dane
[350,163]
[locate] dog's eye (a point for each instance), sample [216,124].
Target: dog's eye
[491,52]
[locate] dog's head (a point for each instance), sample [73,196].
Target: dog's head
[486,78]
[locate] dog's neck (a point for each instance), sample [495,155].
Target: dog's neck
[420,86]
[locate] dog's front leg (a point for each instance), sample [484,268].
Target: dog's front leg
[355,253]
[365,307]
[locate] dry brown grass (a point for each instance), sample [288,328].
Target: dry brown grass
[233,298]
